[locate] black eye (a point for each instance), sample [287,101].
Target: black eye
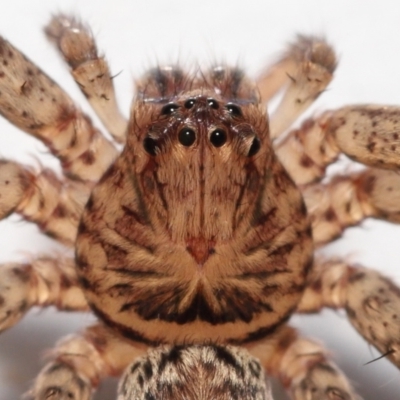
[218,137]
[189,103]
[187,136]
[213,104]
[255,146]
[234,110]
[150,145]
[169,108]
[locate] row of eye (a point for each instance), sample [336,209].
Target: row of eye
[187,136]
[170,108]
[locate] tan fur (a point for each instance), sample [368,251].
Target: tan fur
[42,197]
[91,72]
[348,200]
[165,232]
[370,299]
[34,103]
[305,70]
[303,367]
[42,282]
[195,372]
[365,133]
[196,235]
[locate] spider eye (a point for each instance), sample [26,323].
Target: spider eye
[150,145]
[218,137]
[189,103]
[169,109]
[187,137]
[213,103]
[234,110]
[255,147]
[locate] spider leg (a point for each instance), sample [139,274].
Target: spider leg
[347,200]
[55,205]
[232,84]
[80,362]
[195,373]
[367,134]
[302,366]
[33,102]
[372,302]
[304,71]
[42,282]
[160,84]
[75,42]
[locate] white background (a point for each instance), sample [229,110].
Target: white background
[135,35]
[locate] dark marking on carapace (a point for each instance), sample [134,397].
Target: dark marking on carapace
[129,333]
[200,249]
[142,219]
[262,332]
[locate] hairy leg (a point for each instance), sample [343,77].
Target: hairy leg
[76,43]
[43,282]
[304,71]
[347,200]
[367,134]
[37,105]
[80,362]
[54,204]
[372,302]
[302,366]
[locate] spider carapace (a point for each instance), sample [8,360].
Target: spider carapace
[196,232]
[197,239]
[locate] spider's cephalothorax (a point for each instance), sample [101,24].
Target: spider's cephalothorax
[196,231]
[199,235]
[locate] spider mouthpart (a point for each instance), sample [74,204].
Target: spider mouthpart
[189,103]
[234,110]
[150,145]
[169,109]
[213,104]
[255,147]
[218,137]
[187,137]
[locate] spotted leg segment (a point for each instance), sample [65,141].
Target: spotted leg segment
[369,134]
[372,302]
[348,200]
[76,43]
[302,366]
[80,362]
[33,102]
[42,282]
[195,373]
[41,197]
[303,71]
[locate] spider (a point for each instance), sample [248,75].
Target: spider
[196,241]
